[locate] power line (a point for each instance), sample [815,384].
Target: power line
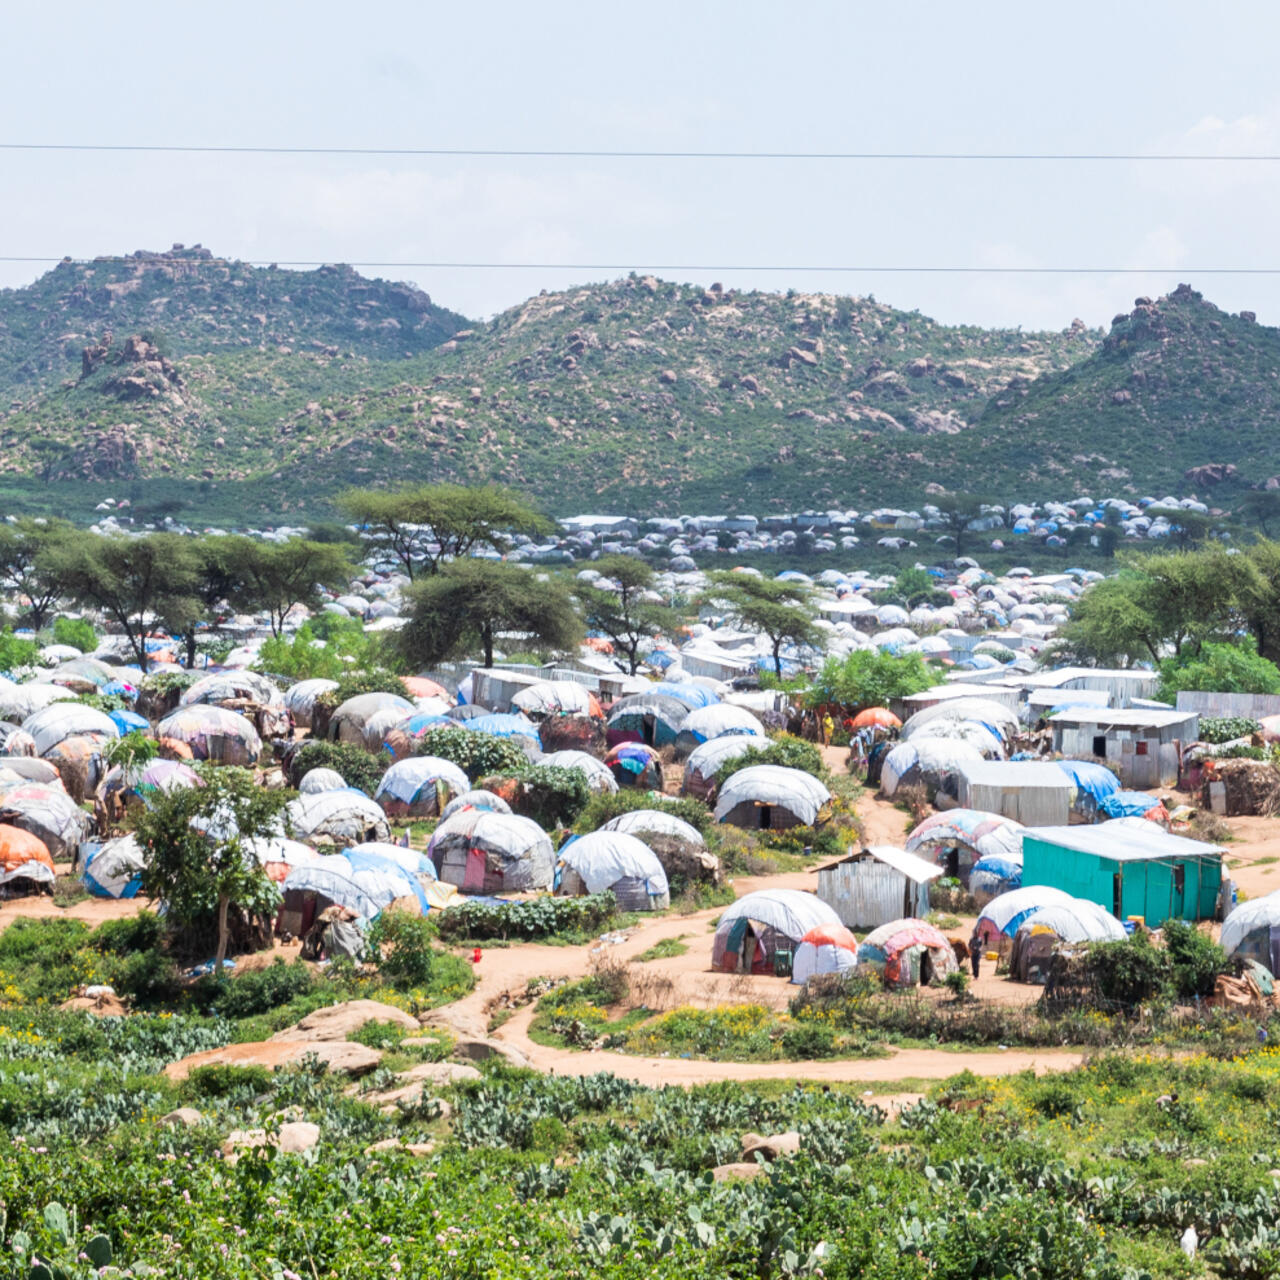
[636,264]
[513,153]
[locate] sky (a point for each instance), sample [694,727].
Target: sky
[1127,77]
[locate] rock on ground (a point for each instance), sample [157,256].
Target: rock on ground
[338,1021]
[352,1059]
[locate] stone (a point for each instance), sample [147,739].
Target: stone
[798,355]
[183,1117]
[917,368]
[350,1059]
[750,383]
[338,1021]
[1210,473]
[772,1147]
[482,1048]
[387,1144]
[667,377]
[439,1073]
[1250,317]
[292,1138]
[1121,397]
[298,1136]
[736,1172]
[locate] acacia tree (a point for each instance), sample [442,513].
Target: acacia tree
[199,861]
[627,616]
[467,603]
[430,524]
[276,576]
[778,609]
[134,581]
[958,511]
[24,563]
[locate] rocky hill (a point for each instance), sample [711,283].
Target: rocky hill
[257,394]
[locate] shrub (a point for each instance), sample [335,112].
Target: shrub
[372,680]
[357,766]
[534,918]
[786,750]
[1128,972]
[1217,729]
[76,632]
[255,991]
[807,1040]
[15,652]
[603,808]
[869,678]
[477,754]
[1223,668]
[400,945]
[552,796]
[1196,960]
[224,1079]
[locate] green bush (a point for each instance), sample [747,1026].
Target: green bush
[543,917]
[15,652]
[1129,972]
[786,750]
[1196,959]
[224,1080]
[1216,729]
[76,632]
[552,796]
[400,945]
[373,680]
[478,755]
[256,991]
[869,678]
[807,1040]
[1219,668]
[358,767]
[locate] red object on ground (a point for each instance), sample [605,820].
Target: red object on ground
[475,956]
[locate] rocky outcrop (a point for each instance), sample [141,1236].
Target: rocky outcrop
[1209,474]
[339,1021]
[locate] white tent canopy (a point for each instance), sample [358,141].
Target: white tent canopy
[794,790]
[657,822]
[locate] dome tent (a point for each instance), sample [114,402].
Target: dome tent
[651,718]
[233,686]
[706,761]
[771,797]
[557,697]
[692,694]
[362,883]
[114,869]
[347,817]
[213,733]
[957,838]
[908,953]
[476,799]
[632,764]
[984,710]
[420,786]
[829,948]
[349,719]
[314,781]
[1000,918]
[618,862]
[600,777]
[300,699]
[25,863]
[752,929]
[656,822]
[62,720]
[47,812]
[1094,784]
[278,855]
[931,762]
[994,875]
[1040,934]
[484,852]
[720,720]
[1250,928]
[519,727]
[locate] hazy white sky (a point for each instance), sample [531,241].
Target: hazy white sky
[1116,76]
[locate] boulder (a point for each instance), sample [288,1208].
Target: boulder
[339,1021]
[1121,397]
[293,1138]
[183,1117]
[350,1059]
[440,1073]
[772,1147]
[750,383]
[667,377]
[1210,473]
[482,1048]
[736,1172]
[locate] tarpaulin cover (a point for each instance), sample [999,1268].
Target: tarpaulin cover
[477,799]
[226,686]
[829,948]
[1128,804]
[207,730]
[884,947]
[406,779]
[657,822]
[129,722]
[603,858]
[558,697]
[1256,916]
[705,761]
[503,726]
[987,834]
[692,695]
[794,790]
[51,725]
[517,847]
[1091,778]
[599,776]
[24,856]
[789,912]
[314,781]
[48,812]
[1004,915]
[347,815]
[114,869]
[361,882]
[1076,920]
[719,721]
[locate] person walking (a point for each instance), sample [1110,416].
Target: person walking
[975,952]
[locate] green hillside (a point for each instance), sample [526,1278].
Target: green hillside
[255,394]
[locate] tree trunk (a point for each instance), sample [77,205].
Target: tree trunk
[777,659]
[191,649]
[486,635]
[223,933]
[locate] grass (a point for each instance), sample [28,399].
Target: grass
[666,949]
[940,920]
[68,890]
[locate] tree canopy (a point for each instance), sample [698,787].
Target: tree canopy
[869,678]
[463,607]
[276,576]
[428,525]
[25,566]
[625,616]
[776,608]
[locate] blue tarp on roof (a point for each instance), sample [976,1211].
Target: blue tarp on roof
[1128,804]
[1091,778]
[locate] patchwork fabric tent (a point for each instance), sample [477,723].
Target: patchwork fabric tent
[616,861]
[958,838]
[992,876]
[721,720]
[1003,915]
[348,720]
[907,953]
[558,698]
[1042,933]
[347,817]
[363,883]
[18,701]
[25,863]
[234,686]
[401,737]
[213,733]
[771,797]
[480,851]
[635,765]
[314,781]
[47,812]
[300,699]
[278,855]
[114,869]
[1252,931]
[829,948]
[705,762]
[752,929]
[476,799]
[651,718]
[420,786]
[501,726]
[995,715]
[935,763]
[599,776]
[51,725]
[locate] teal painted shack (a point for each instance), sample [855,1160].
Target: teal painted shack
[1130,866]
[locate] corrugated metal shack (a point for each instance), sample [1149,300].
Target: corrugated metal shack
[1032,792]
[1121,685]
[1144,747]
[1250,706]
[905,708]
[876,885]
[1128,868]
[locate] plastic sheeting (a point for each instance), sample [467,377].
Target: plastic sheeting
[501,726]
[213,733]
[485,852]
[1249,928]
[314,781]
[65,720]
[47,812]
[799,793]
[705,762]
[363,883]
[599,776]
[477,799]
[984,710]
[347,816]
[889,946]
[718,721]
[935,762]
[1093,780]
[604,858]
[300,699]
[772,914]
[24,856]
[692,695]
[1128,804]
[656,822]
[1075,920]
[558,697]
[114,869]
[1004,915]
[228,686]
[827,949]
[406,781]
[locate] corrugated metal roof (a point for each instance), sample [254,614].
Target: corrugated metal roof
[911,865]
[1123,843]
[1137,718]
[1016,773]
